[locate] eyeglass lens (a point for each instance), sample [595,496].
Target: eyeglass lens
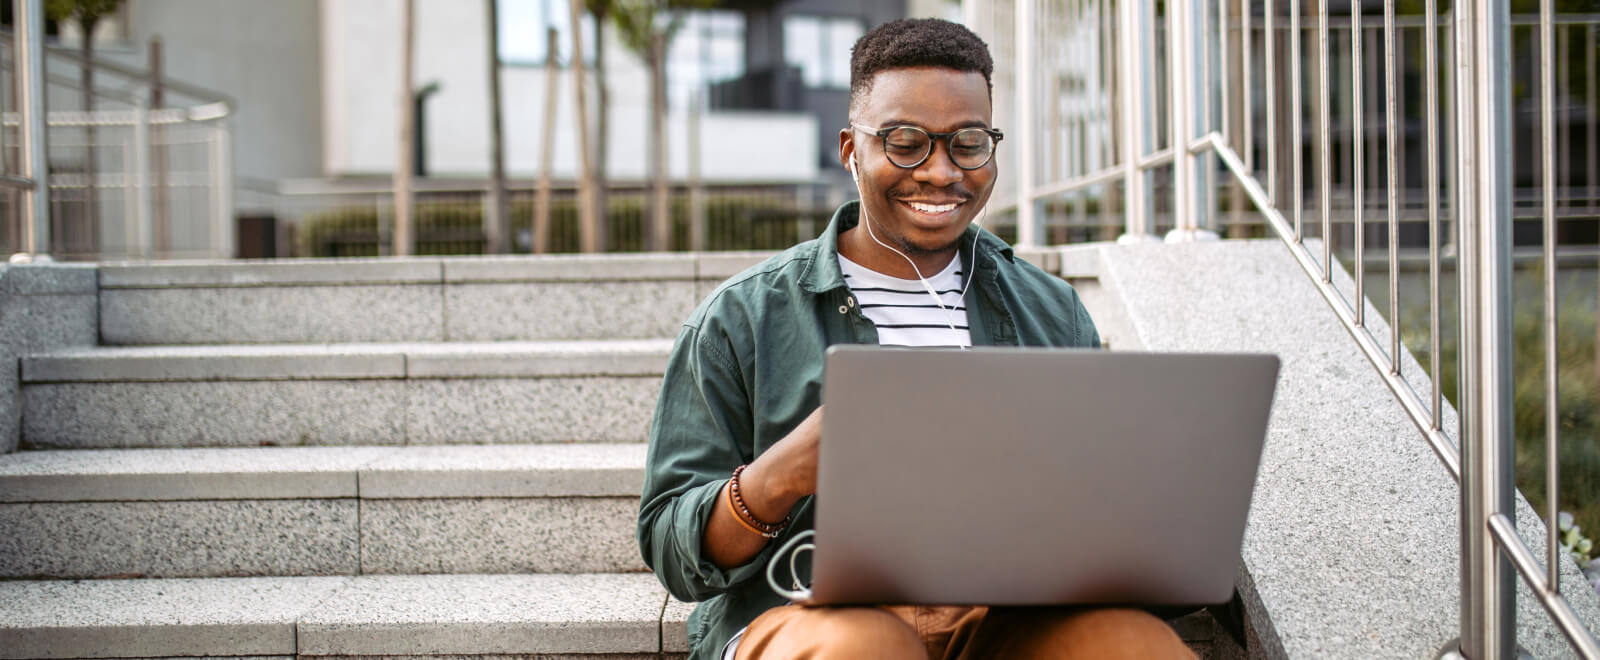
[908,146]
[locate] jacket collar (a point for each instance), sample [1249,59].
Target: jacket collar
[822,274]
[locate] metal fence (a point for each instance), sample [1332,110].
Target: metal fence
[1442,135]
[147,173]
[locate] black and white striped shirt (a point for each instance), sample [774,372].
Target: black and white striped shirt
[906,315]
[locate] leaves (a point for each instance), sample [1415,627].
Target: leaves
[639,21]
[86,12]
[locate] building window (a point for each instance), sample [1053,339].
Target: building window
[820,47]
[708,49]
[522,31]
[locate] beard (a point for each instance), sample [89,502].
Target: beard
[913,250]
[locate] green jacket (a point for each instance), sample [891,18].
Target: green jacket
[747,368]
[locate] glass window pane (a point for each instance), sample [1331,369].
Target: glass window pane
[802,47]
[522,30]
[842,35]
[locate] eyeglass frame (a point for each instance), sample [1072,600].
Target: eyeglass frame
[995,134]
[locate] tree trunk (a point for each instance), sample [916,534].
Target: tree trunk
[602,132]
[404,156]
[91,195]
[158,153]
[496,225]
[589,234]
[661,212]
[547,146]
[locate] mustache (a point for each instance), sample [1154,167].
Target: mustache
[914,192]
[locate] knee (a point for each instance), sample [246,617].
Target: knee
[825,632]
[1103,634]
[851,630]
[1116,633]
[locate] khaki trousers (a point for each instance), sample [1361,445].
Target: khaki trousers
[958,633]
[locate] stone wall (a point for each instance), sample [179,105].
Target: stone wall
[42,306]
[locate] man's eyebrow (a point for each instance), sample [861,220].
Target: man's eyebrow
[970,123]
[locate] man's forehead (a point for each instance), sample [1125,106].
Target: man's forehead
[934,98]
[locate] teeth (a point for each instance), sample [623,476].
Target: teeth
[931,208]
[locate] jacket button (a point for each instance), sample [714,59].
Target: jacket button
[851,301]
[844,310]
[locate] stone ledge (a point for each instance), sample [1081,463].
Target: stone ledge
[436,616]
[484,614]
[288,272]
[1080,262]
[47,279]
[145,618]
[115,475]
[353,361]
[429,472]
[569,268]
[718,266]
[590,470]
[190,363]
[1047,259]
[675,626]
[526,359]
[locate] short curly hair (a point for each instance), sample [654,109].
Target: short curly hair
[913,42]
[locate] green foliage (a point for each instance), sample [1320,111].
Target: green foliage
[1578,390]
[639,21]
[747,221]
[86,12]
[1578,424]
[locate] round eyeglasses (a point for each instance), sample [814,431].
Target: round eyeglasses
[908,147]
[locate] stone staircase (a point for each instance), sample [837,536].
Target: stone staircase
[415,457]
[419,457]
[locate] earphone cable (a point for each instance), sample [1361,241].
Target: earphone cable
[866,221]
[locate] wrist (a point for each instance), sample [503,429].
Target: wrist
[766,496]
[747,518]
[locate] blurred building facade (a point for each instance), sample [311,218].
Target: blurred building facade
[313,88]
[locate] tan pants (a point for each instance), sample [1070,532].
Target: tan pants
[958,633]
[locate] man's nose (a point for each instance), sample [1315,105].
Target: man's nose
[939,169]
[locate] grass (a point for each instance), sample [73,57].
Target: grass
[1578,423]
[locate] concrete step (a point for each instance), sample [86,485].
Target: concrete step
[422,299]
[341,394]
[443,615]
[417,299]
[320,511]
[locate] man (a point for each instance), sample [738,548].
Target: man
[733,445]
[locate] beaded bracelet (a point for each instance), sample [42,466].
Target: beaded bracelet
[742,512]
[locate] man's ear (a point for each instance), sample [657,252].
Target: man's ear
[847,147]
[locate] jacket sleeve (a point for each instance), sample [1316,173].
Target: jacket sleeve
[702,419]
[1083,324]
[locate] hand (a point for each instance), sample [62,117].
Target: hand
[786,472]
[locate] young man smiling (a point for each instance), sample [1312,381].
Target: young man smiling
[733,445]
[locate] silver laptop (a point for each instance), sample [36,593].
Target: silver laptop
[1007,476]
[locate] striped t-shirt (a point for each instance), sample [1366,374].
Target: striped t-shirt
[904,312]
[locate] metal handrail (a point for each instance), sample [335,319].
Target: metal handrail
[1480,214]
[130,72]
[1443,445]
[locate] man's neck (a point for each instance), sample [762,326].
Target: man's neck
[856,245]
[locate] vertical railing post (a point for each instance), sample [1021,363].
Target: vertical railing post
[35,243]
[142,242]
[1488,590]
[1133,70]
[1183,69]
[222,235]
[1027,216]
[1178,100]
